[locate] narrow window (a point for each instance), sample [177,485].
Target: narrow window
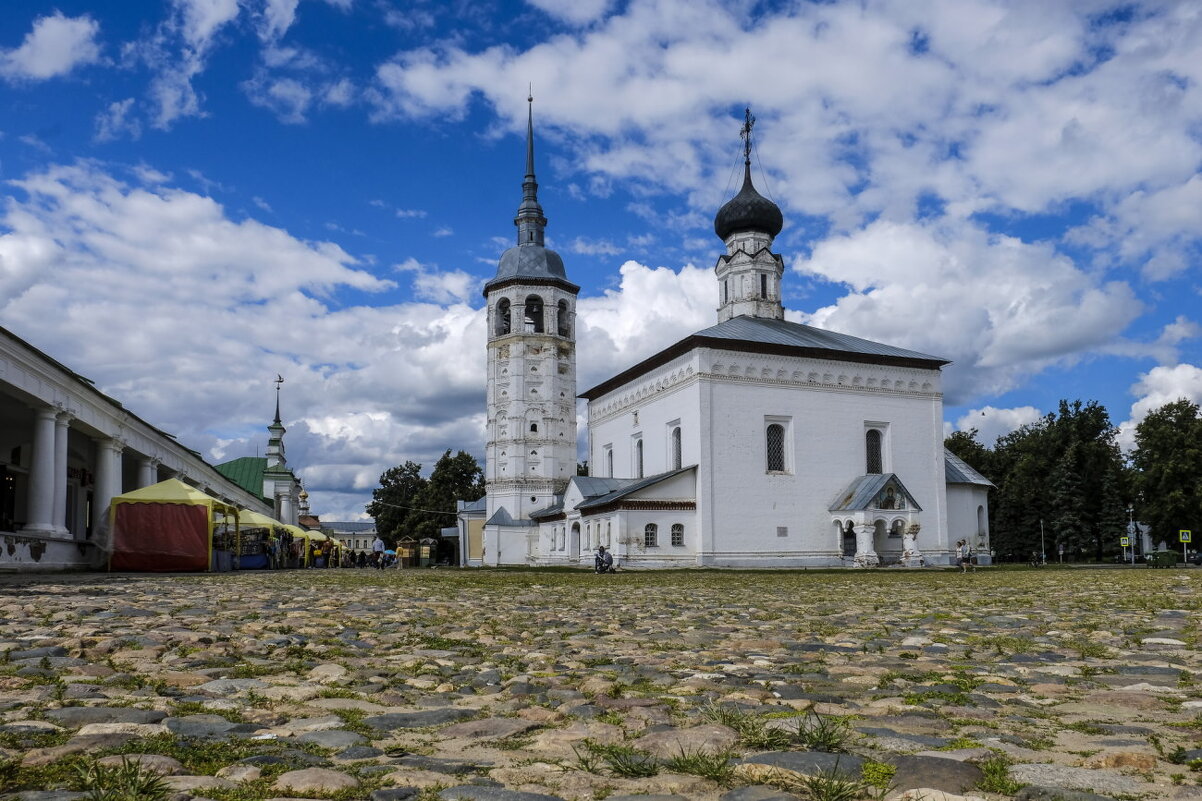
[650,536]
[872,445]
[534,315]
[678,534]
[534,428]
[561,320]
[638,458]
[763,285]
[775,441]
[503,318]
[676,462]
[609,462]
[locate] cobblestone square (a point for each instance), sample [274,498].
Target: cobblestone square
[358,684]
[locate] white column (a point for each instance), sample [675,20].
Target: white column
[286,515]
[108,480]
[147,472]
[865,555]
[41,475]
[62,426]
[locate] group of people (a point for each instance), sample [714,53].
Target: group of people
[965,557]
[377,557]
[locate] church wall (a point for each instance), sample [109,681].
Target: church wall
[968,516]
[786,513]
[647,410]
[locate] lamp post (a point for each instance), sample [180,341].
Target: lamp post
[1043,549]
[1131,531]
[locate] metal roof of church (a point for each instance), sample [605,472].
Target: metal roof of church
[864,490]
[245,471]
[958,471]
[626,486]
[780,337]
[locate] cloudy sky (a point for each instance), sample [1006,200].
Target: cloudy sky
[200,194]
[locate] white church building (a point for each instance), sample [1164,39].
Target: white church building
[756,442]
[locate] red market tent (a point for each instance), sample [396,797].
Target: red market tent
[166,527]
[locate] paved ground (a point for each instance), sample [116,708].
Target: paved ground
[520,685]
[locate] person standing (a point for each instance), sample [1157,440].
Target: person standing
[965,555]
[377,552]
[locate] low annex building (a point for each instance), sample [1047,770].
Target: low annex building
[66,449]
[756,442]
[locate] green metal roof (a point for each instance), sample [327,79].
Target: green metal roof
[247,472]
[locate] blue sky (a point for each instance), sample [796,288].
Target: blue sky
[200,194]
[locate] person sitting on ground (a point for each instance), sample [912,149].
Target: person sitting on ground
[604,560]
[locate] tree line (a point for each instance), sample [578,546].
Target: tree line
[406,504]
[1066,474]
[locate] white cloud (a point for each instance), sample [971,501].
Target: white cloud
[1155,388]
[438,286]
[287,98]
[115,122]
[575,12]
[277,18]
[1000,309]
[650,309]
[992,423]
[593,247]
[56,45]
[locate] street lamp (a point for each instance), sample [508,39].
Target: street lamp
[1131,531]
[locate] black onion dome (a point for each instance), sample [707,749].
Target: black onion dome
[748,211]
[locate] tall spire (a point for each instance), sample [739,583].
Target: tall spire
[530,220]
[279,379]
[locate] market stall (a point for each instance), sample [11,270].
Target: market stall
[171,526]
[259,537]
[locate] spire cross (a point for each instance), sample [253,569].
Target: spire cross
[745,135]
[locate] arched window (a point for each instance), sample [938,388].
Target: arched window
[678,534]
[561,320]
[608,531]
[504,322]
[533,320]
[872,446]
[676,464]
[534,428]
[609,462]
[775,443]
[638,458]
[651,536]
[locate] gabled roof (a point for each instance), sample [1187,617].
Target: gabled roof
[627,486]
[246,471]
[501,517]
[777,337]
[478,505]
[863,491]
[958,471]
[549,511]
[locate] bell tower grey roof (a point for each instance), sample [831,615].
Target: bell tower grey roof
[530,261]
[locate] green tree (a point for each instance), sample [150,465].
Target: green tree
[454,478]
[1168,463]
[392,501]
[1063,472]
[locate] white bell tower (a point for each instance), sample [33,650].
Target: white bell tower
[531,444]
